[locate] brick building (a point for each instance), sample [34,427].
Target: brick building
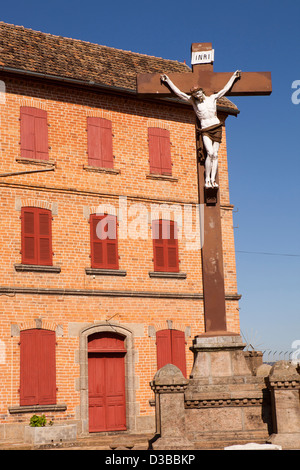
[92,304]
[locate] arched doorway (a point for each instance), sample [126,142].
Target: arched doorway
[106,382]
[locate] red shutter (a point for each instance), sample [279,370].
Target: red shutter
[104,242]
[154,150]
[44,237]
[159,151]
[34,133]
[158,246]
[27,133]
[163,348]
[172,248]
[36,236]
[41,135]
[29,251]
[37,367]
[106,143]
[100,145]
[165,246]
[29,379]
[47,367]
[170,347]
[178,350]
[165,152]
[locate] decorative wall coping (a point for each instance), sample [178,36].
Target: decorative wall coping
[218,403]
[170,388]
[285,384]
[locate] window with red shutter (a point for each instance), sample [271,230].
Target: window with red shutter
[100,143]
[159,151]
[34,133]
[37,367]
[36,230]
[104,242]
[170,349]
[165,246]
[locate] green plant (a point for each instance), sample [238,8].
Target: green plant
[38,421]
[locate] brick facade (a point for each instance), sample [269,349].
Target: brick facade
[70,299]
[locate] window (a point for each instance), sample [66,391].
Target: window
[100,145]
[170,349]
[37,367]
[165,246]
[36,227]
[104,243]
[159,151]
[34,133]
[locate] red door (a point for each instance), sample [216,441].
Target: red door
[106,369]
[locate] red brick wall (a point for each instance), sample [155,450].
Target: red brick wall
[72,192]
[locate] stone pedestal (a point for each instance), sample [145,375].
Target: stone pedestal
[224,399]
[284,383]
[219,356]
[169,385]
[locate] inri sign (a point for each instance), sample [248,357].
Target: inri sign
[203,57]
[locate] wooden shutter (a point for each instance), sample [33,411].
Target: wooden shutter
[172,248]
[29,249]
[34,133]
[170,347]
[29,380]
[44,237]
[158,246]
[165,152]
[37,367]
[163,348]
[104,242]
[100,144]
[159,151]
[47,367]
[36,236]
[165,246]
[178,350]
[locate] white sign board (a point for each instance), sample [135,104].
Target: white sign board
[203,57]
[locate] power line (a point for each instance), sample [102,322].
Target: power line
[266,253]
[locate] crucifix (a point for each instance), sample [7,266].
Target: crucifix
[208,134]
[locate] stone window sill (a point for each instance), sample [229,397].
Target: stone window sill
[37,268]
[105,272]
[97,169]
[161,274]
[28,161]
[162,177]
[36,408]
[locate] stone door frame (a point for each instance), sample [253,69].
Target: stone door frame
[129,373]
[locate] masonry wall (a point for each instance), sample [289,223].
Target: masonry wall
[70,300]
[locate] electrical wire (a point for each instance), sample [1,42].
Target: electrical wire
[266,253]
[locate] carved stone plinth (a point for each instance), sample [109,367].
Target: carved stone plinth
[284,383]
[169,386]
[224,399]
[218,356]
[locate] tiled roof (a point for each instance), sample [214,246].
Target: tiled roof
[33,51]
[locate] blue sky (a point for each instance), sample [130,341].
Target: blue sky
[263,141]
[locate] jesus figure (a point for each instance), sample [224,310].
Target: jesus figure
[205,108]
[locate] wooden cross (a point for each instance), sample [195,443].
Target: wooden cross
[251,83]
[202,75]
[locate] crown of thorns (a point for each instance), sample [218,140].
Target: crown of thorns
[195,89]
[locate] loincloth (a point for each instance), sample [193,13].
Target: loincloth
[213,132]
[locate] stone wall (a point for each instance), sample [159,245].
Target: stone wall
[218,410]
